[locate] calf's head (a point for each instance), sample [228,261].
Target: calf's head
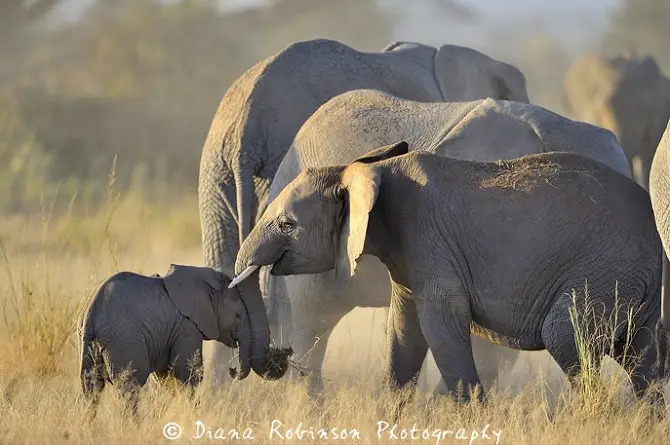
[201,294]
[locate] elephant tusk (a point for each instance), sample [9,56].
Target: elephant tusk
[243,276]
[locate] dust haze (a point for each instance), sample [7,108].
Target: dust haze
[111,100]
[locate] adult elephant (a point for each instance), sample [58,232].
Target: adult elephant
[353,123]
[262,111]
[496,248]
[629,96]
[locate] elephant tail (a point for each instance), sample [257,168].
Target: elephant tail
[93,373]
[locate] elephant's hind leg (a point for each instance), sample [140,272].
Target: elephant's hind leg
[570,333]
[639,357]
[128,369]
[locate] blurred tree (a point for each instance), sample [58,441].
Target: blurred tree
[363,24]
[642,27]
[17,18]
[141,79]
[17,14]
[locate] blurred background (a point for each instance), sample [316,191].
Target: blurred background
[87,86]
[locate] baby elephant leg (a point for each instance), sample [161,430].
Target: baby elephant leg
[444,314]
[186,358]
[129,371]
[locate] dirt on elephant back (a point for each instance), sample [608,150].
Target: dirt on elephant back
[521,174]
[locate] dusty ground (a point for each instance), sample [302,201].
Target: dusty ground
[49,266]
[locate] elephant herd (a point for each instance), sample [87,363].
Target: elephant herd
[422,180]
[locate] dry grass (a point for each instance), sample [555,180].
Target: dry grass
[49,266]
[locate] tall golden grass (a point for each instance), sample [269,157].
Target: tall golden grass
[51,264]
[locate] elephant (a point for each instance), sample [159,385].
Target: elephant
[355,122]
[628,95]
[139,324]
[659,189]
[463,255]
[263,109]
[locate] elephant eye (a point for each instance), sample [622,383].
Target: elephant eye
[286,226]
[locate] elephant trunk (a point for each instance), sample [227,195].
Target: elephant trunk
[244,340]
[259,327]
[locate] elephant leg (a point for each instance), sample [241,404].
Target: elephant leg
[316,309]
[186,358]
[406,347]
[444,317]
[559,335]
[129,370]
[639,358]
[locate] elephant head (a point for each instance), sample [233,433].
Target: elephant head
[625,94]
[318,222]
[466,74]
[201,295]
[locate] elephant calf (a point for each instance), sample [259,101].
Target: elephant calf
[137,324]
[498,248]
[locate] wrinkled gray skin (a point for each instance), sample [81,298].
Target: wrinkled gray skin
[350,125]
[627,95]
[659,189]
[462,253]
[146,324]
[262,111]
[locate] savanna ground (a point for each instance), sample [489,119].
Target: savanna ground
[50,265]
[138,81]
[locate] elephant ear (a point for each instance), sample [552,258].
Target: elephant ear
[386,152]
[360,185]
[190,288]
[466,74]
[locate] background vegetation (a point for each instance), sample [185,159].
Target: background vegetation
[104,107]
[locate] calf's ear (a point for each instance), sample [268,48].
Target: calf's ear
[190,288]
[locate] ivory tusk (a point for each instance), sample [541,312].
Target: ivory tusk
[243,276]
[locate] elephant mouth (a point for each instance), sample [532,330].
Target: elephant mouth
[280,266]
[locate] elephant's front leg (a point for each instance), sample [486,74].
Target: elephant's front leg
[406,347]
[444,316]
[186,358]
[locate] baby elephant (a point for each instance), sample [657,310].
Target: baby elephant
[138,324]
[492,248]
